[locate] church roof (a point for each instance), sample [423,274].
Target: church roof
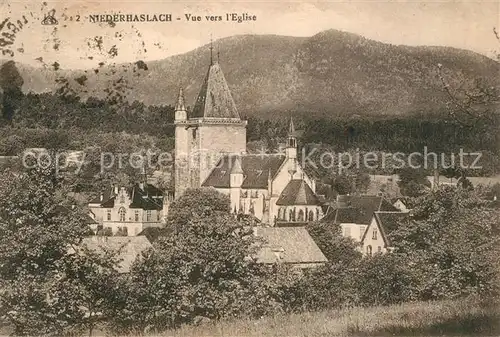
[297,192]
[256,170]
[214,99]
[291,245]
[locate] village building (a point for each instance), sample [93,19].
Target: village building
[210,151]
[376,237]
[128,211]
[353,213]
[289,245]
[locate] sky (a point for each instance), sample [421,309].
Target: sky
[467,25]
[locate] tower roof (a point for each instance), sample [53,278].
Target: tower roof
[297,192]
[291,128]
[180,105]
[214,99]
[236,169]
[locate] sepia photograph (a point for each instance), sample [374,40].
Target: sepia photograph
[249,168]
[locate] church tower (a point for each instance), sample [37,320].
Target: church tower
[211,129]
[291,150]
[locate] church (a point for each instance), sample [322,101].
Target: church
[210,151]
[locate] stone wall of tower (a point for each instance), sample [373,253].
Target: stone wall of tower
[217,139]
[181,169]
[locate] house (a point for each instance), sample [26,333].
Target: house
[400,204]
[354,213]
[210,151]
[128,211]
[128,249]
[289,245]
[376,236]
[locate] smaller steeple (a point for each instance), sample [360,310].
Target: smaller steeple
[211,50]
[236,169]
[291,146]
[180,107]
[180,100]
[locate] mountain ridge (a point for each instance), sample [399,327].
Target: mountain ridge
[332,73]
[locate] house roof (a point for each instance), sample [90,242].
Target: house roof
[128,248]
[291,245]
[144,198]
[64,210]
[358,209]
[256,170]
[388,222]
[148,198]
[214,99]
[297,192]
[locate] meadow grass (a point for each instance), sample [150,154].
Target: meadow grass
[443,318]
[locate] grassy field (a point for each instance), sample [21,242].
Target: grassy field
[445,318]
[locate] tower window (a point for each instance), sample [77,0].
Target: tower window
[301,215]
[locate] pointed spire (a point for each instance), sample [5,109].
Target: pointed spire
[236,169]
[211,50]
[291,128]
[180,106]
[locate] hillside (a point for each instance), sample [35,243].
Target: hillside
[329,74]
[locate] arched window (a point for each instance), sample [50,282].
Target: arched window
[122,214]
[374,236]
[317,213]
[301,215]
[311,216]
[283,213]
[291,215]
[369,250]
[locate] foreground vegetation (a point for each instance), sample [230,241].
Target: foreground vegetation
[448,318]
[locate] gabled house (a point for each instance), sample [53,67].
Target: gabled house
[376,238]
[127,211]
[353,213]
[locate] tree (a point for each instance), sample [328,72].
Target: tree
[38,268]
[450,243]
[412,182]
[332,243]
[201,269]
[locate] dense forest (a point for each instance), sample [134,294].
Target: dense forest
[65,122]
